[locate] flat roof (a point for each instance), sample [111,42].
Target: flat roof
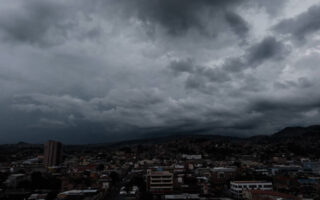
[160,173]
[182,196]
[272,193]
[240,182]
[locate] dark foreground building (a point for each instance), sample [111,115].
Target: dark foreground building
[52,153]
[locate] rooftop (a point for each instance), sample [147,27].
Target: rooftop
[272,193]
[245,182]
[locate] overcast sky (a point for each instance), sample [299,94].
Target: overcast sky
[96,71]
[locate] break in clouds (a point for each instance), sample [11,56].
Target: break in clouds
[104,70]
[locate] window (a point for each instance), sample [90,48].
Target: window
[268,186]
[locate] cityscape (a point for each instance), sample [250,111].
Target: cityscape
[177,167]
[159,100]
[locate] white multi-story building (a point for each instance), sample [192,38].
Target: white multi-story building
[237,187]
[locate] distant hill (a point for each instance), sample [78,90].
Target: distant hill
[310,134]
[166,138]
[299,132]
[302,135]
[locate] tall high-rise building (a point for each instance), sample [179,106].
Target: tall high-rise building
[52,153]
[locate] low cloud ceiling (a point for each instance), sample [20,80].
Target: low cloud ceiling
[102,70]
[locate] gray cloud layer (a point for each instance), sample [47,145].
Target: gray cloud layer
[302,25]
[101,71]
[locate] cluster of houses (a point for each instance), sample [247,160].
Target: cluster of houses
[160,171]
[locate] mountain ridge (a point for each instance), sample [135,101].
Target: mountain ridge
[286,134]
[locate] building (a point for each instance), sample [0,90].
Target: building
[286,169]
[160,182]
[77,194]
[129,193]
[238,187]
[38,196]
[14,179]
[182,197]
[267,195]
[223,174]
[191,157]
[313,167]
[52,153]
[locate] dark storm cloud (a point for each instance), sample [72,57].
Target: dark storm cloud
[300,83]
[201,76]
[182,66]
[47,22]
[238,24]
[302,25]
[97,71]
[273,7]
[44,23]
[268,48]
[283,105]
[33,22]
[179,16]
[287,111]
